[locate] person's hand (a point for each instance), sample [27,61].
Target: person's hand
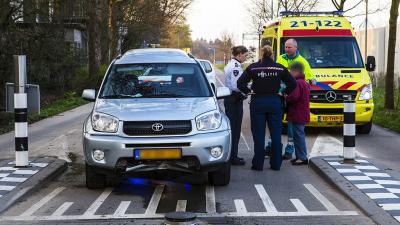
[251,93]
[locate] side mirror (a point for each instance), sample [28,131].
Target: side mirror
[371,64]
[223,92]
[89,95]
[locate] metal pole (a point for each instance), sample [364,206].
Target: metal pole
[21,112]
[366,30]
[349,131]
[214,55]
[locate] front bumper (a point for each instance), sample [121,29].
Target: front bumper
[364,113]
[115,149]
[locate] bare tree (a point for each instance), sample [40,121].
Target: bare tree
[262,11]
[389,86]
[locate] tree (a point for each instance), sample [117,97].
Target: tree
[262,11]
[389,82]
[94,46]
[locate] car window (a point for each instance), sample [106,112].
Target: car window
[155,81]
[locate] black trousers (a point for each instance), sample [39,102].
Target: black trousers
[234,111]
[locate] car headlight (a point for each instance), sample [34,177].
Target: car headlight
[366,93]
[209,121]
[104,123]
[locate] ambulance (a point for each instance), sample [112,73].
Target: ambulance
[327,41]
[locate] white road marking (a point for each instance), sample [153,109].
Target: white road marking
[240,207]
[8,168]
[42,165]
[366,167]
[369,186]
[245,142]
[394,190]
[377,174]
[155,200]
[13,179]
[299,205]
[6,187]
[349,171]
[97,203]
[355,178]
[181,206]
[389,182]
[4,174]
[390,207]
[335,164]
[26,172]
[268,204]
[362,161]
[381,195]
[62,209]
[326,145]
[210,200]
[397,218]
[121,210]
[42,202]
[324,201]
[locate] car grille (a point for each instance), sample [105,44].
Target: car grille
[334,111]
[145,128]
[320,96]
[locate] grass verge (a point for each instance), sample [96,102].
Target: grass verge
[383,117]
[70,101]
[219,66]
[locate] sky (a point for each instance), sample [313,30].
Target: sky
[208,19]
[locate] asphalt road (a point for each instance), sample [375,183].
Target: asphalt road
[294,195]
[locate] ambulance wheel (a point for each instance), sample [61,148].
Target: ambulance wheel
[94,180]
[364,129]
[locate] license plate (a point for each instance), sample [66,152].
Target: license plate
[154,154]
[330,118]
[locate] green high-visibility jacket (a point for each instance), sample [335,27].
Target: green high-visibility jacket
[285,61]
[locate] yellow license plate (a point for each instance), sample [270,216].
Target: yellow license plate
[330,118]
[154,154]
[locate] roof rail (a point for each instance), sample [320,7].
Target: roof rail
[190,55]
[293,13]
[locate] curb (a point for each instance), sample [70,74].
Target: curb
[363,202]
[44,176]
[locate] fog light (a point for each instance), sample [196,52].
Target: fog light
[216,152]
[98,155]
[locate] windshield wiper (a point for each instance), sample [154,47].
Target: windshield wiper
[121,96]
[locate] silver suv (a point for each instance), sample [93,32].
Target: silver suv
[155,111]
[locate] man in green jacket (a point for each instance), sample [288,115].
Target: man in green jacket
[292,55]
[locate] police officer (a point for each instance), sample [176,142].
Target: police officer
[266,105]
[234,103]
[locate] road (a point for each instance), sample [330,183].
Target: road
[294,195]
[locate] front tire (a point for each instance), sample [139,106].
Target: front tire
[220,177]
[93,179]
[365,129]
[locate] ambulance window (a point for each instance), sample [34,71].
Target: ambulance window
[328,52]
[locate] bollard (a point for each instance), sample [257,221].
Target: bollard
[349,131]
[21,112]
[181,218]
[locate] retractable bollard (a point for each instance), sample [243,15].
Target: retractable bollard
[349,131]
[181,218]
[21,112]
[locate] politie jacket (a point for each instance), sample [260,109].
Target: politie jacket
[233,71]
[266,76]
[298,103]
[286,62]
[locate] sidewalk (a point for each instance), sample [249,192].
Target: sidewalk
[18,182]
[375,191]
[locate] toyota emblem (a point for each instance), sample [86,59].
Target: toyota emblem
[331,96]
[157,127]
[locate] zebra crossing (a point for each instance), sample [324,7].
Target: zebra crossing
[44,210]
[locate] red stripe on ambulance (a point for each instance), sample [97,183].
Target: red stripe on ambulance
[322,32]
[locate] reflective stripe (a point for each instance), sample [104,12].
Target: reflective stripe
[20,101]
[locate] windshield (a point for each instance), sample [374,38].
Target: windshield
[328,52]
[155,81]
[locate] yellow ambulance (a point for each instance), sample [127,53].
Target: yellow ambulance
[327,41]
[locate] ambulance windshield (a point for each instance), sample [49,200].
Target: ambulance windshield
[328,52]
